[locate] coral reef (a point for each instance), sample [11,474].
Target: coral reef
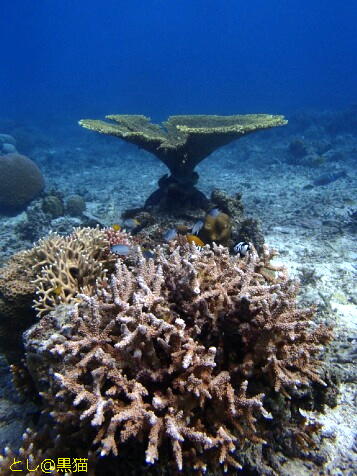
[67,266]
[216,229]
[231,205]
[75,205]
[54,271]
[183,360]
[16,293]
[53,205]
[243,228]
[21,181]
[181,143]
[35,224]
[50,213]
[27,138]
[237,227]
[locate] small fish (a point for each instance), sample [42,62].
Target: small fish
[329,178]
[170,235]
[130,223]
[194,239]
[214,212]
[121,250]
[197,227]
[147,253]
[116,227]
[58,290]
[242,248]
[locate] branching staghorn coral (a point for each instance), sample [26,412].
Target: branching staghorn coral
[68,265]
[168,352]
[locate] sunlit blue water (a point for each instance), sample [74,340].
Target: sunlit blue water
[76,58]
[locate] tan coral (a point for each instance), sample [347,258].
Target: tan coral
[216,229]
[68,265]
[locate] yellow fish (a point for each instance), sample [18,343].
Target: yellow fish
[194,239]
[58,290]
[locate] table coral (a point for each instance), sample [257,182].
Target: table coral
[177,355]
[181,143]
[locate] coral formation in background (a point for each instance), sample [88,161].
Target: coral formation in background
[21,181]
[181,143]
[7,144]
[53,211]
[191,359]
[75,205]
[52,205]
[231,227]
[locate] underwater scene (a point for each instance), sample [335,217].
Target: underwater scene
[178,221]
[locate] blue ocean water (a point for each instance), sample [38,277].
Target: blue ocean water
[76,58]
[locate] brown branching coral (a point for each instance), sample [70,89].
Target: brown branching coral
[167,355]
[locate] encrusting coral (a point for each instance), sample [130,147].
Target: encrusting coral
[180,354]
[16,294]
[181,143]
